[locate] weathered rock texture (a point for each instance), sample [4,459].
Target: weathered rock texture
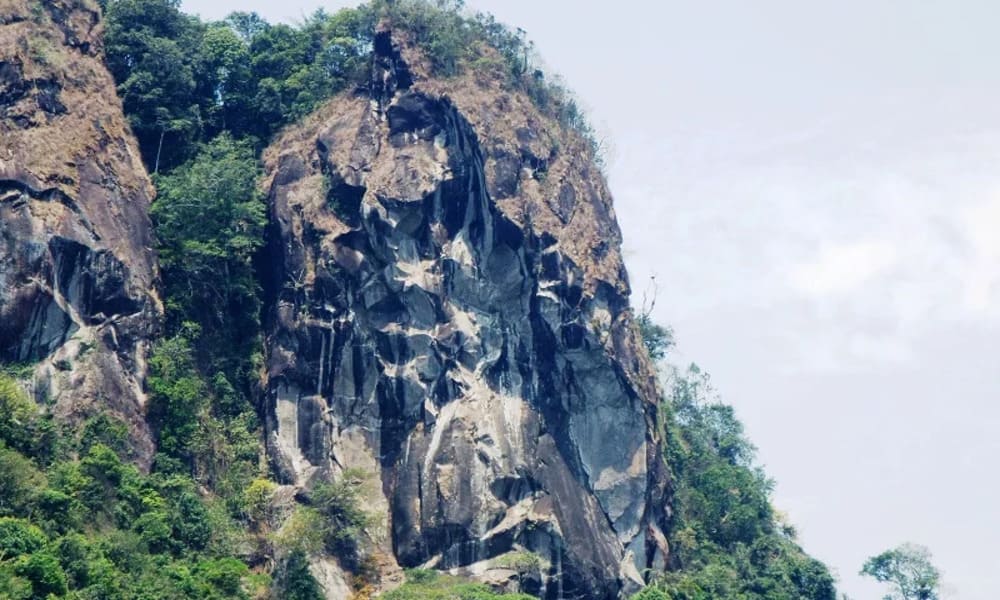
[76,268]
[448,309]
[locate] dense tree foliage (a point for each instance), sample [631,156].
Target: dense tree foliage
[209,220]
[908,569]
[727,542]
[151,50]
[80,521]
[184,81]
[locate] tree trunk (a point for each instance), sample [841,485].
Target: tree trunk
[156,166]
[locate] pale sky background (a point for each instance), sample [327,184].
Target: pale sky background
[816,186]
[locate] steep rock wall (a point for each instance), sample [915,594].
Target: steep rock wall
[448,310]
[76,267]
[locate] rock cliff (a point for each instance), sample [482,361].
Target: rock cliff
[76,267]
[448,310]
[447,336]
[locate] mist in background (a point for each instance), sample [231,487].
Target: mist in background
[816,190]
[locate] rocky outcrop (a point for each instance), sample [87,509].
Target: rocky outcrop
[76,266]
[448,309]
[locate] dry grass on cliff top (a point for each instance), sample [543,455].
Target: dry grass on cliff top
[508,123]
[48,150]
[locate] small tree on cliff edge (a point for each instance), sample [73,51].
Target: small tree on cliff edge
[908,569]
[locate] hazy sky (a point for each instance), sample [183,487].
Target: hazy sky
[816,187]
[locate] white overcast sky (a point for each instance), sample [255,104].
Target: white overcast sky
[816,187]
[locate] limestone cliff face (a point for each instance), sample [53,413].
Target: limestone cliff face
[449,310]
[76,268]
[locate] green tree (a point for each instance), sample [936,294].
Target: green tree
[295,68]
[709,427]
[20,483]
[19,537]
[108,430]
[246,25]
[908,569]
[225,574]
[110,487]
[209,218]
[74,555]
[188,517]
[13,587]
[439,28]
[45,574]
[225,83]
[178,397]
[651,593]
[17,414]
[152,51]
[294,581]
[657,338]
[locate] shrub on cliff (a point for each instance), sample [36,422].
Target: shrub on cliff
[341,503]
[428,585]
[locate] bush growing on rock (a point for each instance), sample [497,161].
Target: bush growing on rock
[428,585]
[341,505]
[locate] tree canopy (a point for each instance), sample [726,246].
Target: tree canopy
[209,219]
[78,520]
[184,81]
[151,51]
[727,541]
[908,569]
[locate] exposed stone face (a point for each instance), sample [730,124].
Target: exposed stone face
[448,309]
[76,267]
